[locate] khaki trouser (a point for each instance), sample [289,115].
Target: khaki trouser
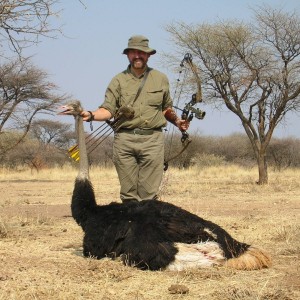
[139,163]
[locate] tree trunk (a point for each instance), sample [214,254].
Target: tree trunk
[262,168]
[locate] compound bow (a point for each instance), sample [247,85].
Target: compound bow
[189,111]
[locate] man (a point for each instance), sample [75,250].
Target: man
[138,149]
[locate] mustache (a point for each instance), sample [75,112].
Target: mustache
[138,59]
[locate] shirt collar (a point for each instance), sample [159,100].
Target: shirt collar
[129,71]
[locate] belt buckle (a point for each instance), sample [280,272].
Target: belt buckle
[142,131]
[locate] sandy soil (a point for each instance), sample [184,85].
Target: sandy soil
[40,244]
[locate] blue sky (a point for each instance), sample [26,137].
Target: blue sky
[83,61]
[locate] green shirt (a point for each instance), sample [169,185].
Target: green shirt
[148,107]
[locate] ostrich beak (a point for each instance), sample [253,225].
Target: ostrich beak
[65,110]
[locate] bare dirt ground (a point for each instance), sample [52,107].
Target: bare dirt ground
[40,244]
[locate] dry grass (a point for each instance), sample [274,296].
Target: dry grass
[40,244]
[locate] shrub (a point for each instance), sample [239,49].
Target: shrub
[206,160]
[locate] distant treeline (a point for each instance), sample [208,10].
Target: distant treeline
[236,149]
[203,151]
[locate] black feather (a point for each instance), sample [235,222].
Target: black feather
[142,233]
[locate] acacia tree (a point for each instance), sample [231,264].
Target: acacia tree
[53,133]
[25,92]
[254,69]
[23,22]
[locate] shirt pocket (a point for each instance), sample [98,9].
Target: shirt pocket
[155,97]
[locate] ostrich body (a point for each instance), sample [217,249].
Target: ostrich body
[151,234]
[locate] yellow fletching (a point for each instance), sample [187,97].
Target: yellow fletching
[74,153]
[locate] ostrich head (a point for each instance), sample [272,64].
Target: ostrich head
[73,108]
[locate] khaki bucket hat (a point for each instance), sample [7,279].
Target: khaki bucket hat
[139,42]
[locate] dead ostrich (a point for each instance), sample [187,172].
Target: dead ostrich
[151,234]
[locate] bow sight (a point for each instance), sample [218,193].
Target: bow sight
[189,111]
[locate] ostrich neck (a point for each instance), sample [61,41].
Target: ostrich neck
[83,161]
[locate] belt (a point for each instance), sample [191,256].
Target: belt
[139,131]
